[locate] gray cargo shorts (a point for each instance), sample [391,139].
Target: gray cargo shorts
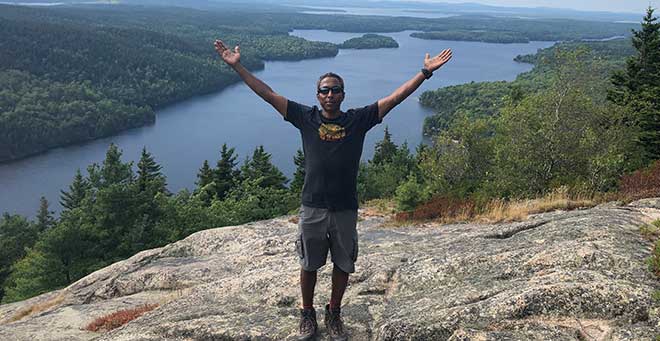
[320,230]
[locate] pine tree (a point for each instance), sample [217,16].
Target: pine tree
[45,218]
[206,189]
[113,170]
[149,175]
[17,234]
[638,87]
[260,168]
[76,193]
[299,174]
[403,159]
[226,175]
[205,175]
[384,150]
[420,150]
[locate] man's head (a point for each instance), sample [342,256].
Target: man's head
[330,92]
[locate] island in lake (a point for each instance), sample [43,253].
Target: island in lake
[369,41]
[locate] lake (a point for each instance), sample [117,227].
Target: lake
[187,133]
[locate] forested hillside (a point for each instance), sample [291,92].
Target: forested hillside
[70,77]
[483,99]
[119,63]
[559,124]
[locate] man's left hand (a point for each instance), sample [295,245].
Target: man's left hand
[436,62]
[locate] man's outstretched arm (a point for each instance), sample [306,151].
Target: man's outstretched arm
[233,59]
[431,64]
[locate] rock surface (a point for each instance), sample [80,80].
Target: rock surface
[578,275]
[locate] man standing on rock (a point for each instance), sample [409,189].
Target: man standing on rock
[332,144]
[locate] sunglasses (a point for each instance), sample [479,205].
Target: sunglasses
[326,90]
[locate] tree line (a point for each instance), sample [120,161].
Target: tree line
[482,36]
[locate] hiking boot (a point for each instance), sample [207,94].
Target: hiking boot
[334,324]
[308,325]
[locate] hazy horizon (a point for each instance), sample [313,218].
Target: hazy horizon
[628,6]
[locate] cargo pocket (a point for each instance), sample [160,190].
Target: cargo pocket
[300,250]
[355,250]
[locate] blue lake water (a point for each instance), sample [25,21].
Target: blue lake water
[187,133]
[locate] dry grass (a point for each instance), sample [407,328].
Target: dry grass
[446,210]
[119,318]
[37,308]
[379,207]
[500,211]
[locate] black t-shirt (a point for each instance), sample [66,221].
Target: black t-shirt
[332,150]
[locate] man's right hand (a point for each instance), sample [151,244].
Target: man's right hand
[260,88]
[231,58]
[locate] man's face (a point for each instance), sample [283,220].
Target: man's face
[330,101]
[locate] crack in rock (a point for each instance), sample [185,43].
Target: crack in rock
[511,232]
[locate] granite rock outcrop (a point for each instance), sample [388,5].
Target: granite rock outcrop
[577,275]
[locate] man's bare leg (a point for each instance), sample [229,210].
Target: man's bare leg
[308,326]
[307,284]
[339,283]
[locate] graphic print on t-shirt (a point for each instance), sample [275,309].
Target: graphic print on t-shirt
[331,132]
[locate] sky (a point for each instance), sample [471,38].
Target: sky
[629,6]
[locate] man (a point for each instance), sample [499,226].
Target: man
[332,144]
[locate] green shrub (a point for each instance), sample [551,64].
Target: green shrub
[410,194]
[654,260]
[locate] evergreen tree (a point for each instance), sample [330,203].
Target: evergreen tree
[205,175]
[384,150]
[226,175]
[16,235]
[115,206]
[206,189]
[638,87]
[45,218]
[260,168]
[34,274]
[149,175]
[299,174]
[150,183]
[58,258]
[113,170]
[95,178]
[76,193]
[420,152]
[403,159]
